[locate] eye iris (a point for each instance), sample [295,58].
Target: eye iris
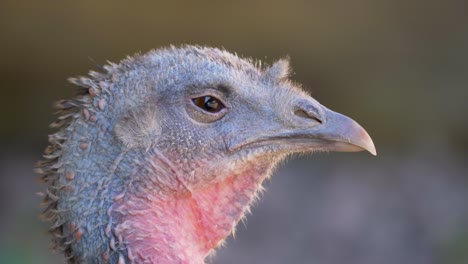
[208,103]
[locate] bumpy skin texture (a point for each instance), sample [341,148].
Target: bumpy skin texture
[138,173]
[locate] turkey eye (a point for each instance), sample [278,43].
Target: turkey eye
[209,104]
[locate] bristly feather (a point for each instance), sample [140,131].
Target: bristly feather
[50,168]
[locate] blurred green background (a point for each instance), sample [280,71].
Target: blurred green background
[400,68]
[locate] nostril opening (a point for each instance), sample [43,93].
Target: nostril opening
[302,113]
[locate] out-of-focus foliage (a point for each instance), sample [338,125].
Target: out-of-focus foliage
[398,67]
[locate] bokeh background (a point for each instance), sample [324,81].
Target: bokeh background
[399,67]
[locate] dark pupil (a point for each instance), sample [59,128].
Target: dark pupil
[208,103]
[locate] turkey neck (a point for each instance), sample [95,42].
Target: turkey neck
[173,223]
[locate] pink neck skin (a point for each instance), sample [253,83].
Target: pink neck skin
[184,228]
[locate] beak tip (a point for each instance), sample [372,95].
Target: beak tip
[372,150]
[366,142]
[356,135]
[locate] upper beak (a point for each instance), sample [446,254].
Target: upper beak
[343,133]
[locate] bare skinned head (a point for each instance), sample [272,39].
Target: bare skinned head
[160,156]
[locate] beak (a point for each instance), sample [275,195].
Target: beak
[314,127]
[343,134]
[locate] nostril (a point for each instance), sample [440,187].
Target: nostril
[301,113]
[305,114]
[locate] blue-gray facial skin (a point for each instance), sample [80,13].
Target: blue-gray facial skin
[159,157]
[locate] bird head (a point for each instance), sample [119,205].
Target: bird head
[170,148]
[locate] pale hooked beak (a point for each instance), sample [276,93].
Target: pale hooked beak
[315,128]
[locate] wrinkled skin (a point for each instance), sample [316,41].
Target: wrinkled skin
[144,171]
